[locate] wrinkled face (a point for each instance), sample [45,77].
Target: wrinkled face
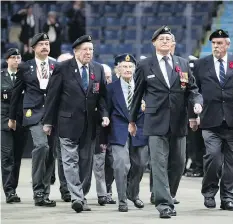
[108,76]
[13,61]
[42,48]
[219,47]
[163,43]
[126,69]
[84,52]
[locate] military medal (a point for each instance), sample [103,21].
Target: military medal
[96,87]
[29,113]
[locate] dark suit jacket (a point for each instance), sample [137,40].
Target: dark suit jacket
[218,100]
[6,92]
[34,97]
[165,107]
[119,118]
[75,107]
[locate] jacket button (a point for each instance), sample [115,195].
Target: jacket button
[223,101]
[43,106]
[44,94]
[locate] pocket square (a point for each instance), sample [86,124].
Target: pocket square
[150,76]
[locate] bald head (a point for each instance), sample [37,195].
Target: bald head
[108,73]
[64,57]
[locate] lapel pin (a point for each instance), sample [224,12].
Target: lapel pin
[75,70]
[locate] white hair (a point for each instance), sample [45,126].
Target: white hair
[228,40]
[107,68]
[173,38]
[64,57]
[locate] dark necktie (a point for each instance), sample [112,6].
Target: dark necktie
[84,77]
[168,68]
[222,75]
[13,77]
[130,96]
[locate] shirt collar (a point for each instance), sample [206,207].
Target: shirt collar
[80,64]
[10,72]
[126,83]
[223,58]
[38,61]
[160,57]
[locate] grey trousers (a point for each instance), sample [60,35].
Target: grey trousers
[167,162]
[129,164]
[77,164]
[42,160]
[218,163]
[99,172]
[63,183]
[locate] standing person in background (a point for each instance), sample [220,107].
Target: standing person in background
[12,141]
[32,78]
[53,28]
[102,165]
[167,84]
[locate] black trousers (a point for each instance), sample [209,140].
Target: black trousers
[109,177]
[12,147]
[196,149]
[218,163]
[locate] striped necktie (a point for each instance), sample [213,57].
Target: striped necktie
[44,70]
[130,96]
[222,74]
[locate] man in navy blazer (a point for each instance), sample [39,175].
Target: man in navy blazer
[32,78]
[130,154]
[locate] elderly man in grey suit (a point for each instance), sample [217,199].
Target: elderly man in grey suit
[166,83]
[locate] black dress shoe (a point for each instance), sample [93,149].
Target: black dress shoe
[111,201]
[152,199]
[11,198]
[77,206]
[102,200]
[166,213]
[210,203]
[138,203]
[175,201]
[123,208]
[45,203]
[227,206]
[66,197]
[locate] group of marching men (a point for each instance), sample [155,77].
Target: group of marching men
[69,107]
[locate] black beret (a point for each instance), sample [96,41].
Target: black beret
[125,57]
[12,51]
[162,30]
[39,37]
[219,34]
[82,39]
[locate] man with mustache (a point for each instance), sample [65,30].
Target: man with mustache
[167,84]
[76,88]
[32,78]
[214,75]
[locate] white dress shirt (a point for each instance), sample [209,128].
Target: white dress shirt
[10,73]
[80,65]
[217,65]
[163,66]
[125,88]
[38,69]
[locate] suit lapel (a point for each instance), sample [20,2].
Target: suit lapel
[211,68]
[229,71]
[157,71]
[76,73]
[91,77]
[33,70]
[8,78]
[175,74]
[120,98]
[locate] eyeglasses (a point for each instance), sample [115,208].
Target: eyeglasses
[15,57]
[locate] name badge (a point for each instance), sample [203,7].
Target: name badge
[43,83]
[150,76]
[96,87]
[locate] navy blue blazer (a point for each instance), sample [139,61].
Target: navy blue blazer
[119,118]
[34,97]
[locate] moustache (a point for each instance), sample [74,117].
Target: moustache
[44,50]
